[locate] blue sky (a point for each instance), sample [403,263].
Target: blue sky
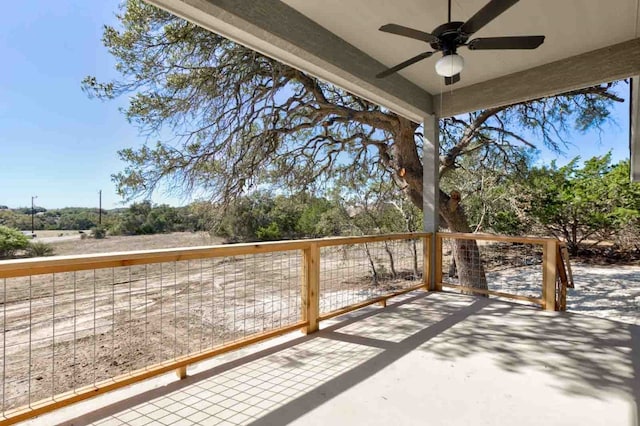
[60,145]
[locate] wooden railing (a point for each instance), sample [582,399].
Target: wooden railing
[72,325]
[526,269]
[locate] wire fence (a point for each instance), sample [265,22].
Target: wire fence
[357,273]
[69,325]
[513,268]
[65,331]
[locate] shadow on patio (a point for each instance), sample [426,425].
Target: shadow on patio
[433,358]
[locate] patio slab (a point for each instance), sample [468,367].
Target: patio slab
[430,358]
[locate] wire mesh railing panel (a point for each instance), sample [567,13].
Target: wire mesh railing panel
[352,274]
[60,332]
[513,268]
[258,293]
[71,326]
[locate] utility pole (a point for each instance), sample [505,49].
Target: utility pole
[33,214]
[100,207]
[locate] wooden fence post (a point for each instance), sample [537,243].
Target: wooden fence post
[549,271]
[181,372]
[437,286]
[311,287]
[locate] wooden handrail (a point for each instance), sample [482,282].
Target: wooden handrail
[342,241]
[58,264]
[495,238]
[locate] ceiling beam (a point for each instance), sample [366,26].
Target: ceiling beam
[281,32]
[634,131]
[611,63]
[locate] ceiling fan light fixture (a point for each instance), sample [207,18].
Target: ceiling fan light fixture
[450,65]
[451,35]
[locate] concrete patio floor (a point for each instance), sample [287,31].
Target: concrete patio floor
[428,359]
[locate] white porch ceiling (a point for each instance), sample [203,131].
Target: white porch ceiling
[571,27]
[587,42]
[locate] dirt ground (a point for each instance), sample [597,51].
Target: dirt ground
[607,280]
[137,242]
[57,233]
[69,330]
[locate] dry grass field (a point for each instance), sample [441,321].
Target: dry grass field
[52,234]
[130,243]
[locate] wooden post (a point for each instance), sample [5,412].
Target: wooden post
[181,372]
[427,267]
[311,287]
[561,303]
[549,271]
[437,286]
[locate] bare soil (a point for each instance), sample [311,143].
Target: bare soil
[137,242]
[607,255]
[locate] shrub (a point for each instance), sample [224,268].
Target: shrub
[507,222]
[98,232]
[269,233]
[39,249]
[11,240]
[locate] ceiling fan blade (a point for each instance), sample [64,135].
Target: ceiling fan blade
[521,42]
[448,81]
[409,32]
[404,64]
[488,13]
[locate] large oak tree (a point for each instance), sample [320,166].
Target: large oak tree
[232,117]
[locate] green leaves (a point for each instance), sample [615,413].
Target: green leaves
[11,240]
[576,203]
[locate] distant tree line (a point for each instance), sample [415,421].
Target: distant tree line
[263,216]
[68,218]
[139,218]
[258,216]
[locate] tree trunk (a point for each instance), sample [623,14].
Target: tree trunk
[466,253]
[374,272]
[414,248]
[408,167]
[392,264]
[453,271]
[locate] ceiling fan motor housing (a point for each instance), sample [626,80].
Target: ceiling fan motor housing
[449,37]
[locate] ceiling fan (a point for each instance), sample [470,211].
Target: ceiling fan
[448,37]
